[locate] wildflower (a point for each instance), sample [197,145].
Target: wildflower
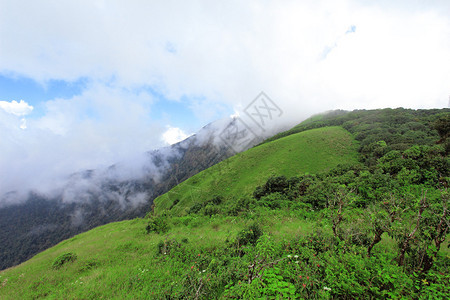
[204,271]
[307,277]
[296,261]
[300,276]
[296,256]
[318,265]
[326,288]
[289,256]
[304,285]
[199,254]
[192,267]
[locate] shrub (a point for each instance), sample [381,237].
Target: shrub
[215,200]
[63,259]
[274,184]
[158,225]
[241,205]
[249,235]
[195,208]
[274,201]
[211,210]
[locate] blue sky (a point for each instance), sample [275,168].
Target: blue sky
[35,93]
[174,113]
[111,79]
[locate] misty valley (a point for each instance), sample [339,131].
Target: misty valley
[224,149]
[39,219]
[346,204]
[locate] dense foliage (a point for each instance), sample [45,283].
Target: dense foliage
[398,194]
[402,200]
[383,130]
[373,229]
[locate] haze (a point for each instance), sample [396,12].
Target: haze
[85,84]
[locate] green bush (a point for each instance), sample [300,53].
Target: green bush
[274,201]
[158,225]
[249,235]
[196,208]
[274,184]
[63,259]
[215,200]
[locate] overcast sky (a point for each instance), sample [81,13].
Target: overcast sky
[89,82]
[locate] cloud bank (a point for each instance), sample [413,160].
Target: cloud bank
[212,58]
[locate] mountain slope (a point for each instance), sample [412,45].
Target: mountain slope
[311,151]
[96,197]
[114,251]
[332,237]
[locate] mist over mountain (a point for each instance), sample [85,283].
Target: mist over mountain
[34,220]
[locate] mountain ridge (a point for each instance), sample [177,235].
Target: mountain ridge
[318,234]
[95,197]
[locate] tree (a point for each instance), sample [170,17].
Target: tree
[442,125]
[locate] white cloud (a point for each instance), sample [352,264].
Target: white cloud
[100,127]
[16,108]
[174,135]
[213,54]
[23,123]
[229,52]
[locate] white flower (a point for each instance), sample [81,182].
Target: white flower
[296,261]
[289,256]
[326,288]
[296,256]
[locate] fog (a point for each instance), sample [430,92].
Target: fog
[210,59]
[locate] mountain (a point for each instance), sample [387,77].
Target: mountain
[95,197]
[343,206]
[311,151]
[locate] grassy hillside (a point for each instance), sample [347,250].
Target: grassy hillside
[330,228]
[118,253]
[311,151]
[121,261]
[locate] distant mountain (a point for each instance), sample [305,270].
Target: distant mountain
[96,197]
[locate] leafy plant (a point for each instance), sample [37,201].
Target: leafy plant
[157,224]
[64,259]
[249,235]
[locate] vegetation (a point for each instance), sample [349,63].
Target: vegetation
[339,229]
[43,221]
[236,178]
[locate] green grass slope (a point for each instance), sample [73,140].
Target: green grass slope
[310,151]
[120,261]
[112,261]
[317,246]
